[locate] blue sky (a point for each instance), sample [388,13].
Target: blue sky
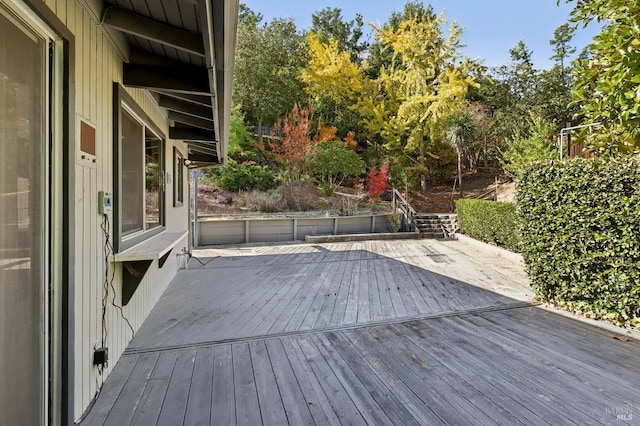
[491,27]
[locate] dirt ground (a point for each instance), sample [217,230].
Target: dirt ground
[215,201]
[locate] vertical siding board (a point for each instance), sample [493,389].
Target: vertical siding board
[97,65]
[94,69]
[78,388]
[71,16]
[86,64]
[61,11]
[86,287]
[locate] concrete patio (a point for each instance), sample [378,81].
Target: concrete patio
[376,332]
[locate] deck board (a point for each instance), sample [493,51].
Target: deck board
[198,411]
[223,402]
[269,398]
[175,401]
[148,410]
[246,394]
[410,332]
[289,383]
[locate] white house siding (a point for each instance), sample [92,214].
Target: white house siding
[97,64]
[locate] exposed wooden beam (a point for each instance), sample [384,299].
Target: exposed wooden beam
[202,100]
[131,23]
[202,158]
[190,120]
[203,147]
[186,79]
[191,134]
[184,107]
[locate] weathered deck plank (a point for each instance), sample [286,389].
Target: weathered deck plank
[148,409]
[246,394]
[412,332]
[175,401]
[198,411]
[290,385]
[123,411]
[269,398]
[223,402]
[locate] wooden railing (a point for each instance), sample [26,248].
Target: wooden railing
[401,202]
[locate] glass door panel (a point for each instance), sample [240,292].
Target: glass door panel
[23,231]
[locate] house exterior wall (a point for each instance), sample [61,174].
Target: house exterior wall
[96,64]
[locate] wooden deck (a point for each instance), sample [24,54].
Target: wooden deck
[393,332]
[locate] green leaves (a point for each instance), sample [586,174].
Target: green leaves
[532,145]
[333,161]
[489,221]
[607,80]
[581,235]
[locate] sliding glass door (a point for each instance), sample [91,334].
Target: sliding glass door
[24,241]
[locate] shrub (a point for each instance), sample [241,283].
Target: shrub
[333,161]
[244,177]
[377,181]
[581,235]
[489,221]
[301,196]
[270,201]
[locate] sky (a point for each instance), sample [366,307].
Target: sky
[491,27]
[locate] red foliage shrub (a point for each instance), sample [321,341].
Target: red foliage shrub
[377,181]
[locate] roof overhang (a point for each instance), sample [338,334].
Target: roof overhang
[183,52]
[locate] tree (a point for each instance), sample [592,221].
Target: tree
[328,24]
[483,142]
[424,85]
[334,82]
[267,69]
[238,134]
[562,36]
[293,147]
[536,143]
[333,161]
[608,81]
[380,55]
[330,71]
[459,131]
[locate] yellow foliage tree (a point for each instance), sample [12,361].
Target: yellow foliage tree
[425,85]
[330,71]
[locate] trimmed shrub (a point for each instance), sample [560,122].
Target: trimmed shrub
[489,221]
[244,177]
[333,161]
[581,235]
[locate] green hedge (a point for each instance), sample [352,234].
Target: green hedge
[581,235]
[489,221]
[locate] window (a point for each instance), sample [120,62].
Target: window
[139,194]
[178,178]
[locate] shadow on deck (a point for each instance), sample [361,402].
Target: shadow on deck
[388,332]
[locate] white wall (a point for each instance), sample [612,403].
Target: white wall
[97,64]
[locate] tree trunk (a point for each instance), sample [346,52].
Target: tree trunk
[459,151]
[423,164]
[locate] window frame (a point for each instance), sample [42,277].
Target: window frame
[124,102]
[178,178]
